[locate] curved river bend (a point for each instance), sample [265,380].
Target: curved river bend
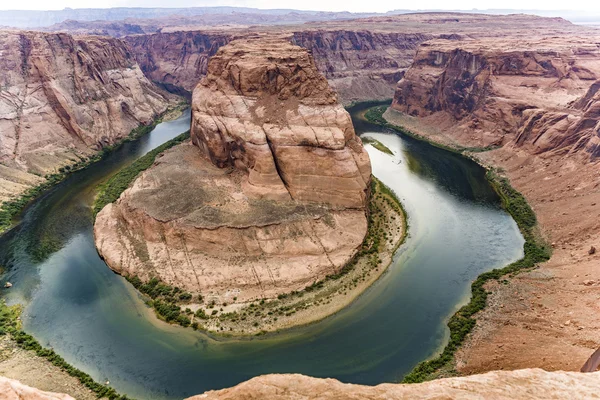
[98,323]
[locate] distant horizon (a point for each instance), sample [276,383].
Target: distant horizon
[351,6]
[554,10]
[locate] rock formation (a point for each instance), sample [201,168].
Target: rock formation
[62,97]
[177,59]
[363,59]
[270,197]
[493,88]
[527,384]
[11,389]
[532,384]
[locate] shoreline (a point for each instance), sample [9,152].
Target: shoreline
[10,210]
[314,303]
[18,347]
[463,321]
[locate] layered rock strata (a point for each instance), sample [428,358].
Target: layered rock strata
[363,59]
[270,197]
[492,92]
[63,97]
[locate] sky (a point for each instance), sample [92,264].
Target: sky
[328,5]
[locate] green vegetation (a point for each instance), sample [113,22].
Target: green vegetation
[167,301]
[535,251]
[110,191]
[164,299]
[377,144]
[11,325]
[11,209]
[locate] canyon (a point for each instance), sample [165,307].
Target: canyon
[529,110]
[281,183]
[265,118]
[63,98]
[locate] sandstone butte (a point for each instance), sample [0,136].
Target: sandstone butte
[63,97]
[269,196]
[526,384]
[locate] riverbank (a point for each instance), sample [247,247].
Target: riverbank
[387,231]
[535,251]
[23,358]
[9,210]
[542,316]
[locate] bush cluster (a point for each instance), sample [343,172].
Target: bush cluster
[164,299]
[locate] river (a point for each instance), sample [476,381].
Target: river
[92,317]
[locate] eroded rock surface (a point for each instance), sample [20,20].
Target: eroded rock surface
[63,97]
[509,385]
[492,91]
[11,389]
[270,197]
[264,108]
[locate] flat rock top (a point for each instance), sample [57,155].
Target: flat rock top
[267,65]
[212,197]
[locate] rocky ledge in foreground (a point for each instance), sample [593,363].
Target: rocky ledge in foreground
[268,198]
[513,385]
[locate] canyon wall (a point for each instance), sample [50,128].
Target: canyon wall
[531,96]
[360,65]
[278,179]
[177,59]
[496,91]
[63,97]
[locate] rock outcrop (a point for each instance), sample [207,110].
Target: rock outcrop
[488,89]
[11,389]
[529,384]
[270,197]
[264,108]
[576,130]
[62,97]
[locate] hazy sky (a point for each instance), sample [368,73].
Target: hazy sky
[328,5]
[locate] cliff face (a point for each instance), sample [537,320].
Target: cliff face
[358,64]
[278,177]
[529,384]
[575,130]
[361,64]
[60,97]
[264,108]
[489,89]
[177,59]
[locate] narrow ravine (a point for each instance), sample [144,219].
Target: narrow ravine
[75,304]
